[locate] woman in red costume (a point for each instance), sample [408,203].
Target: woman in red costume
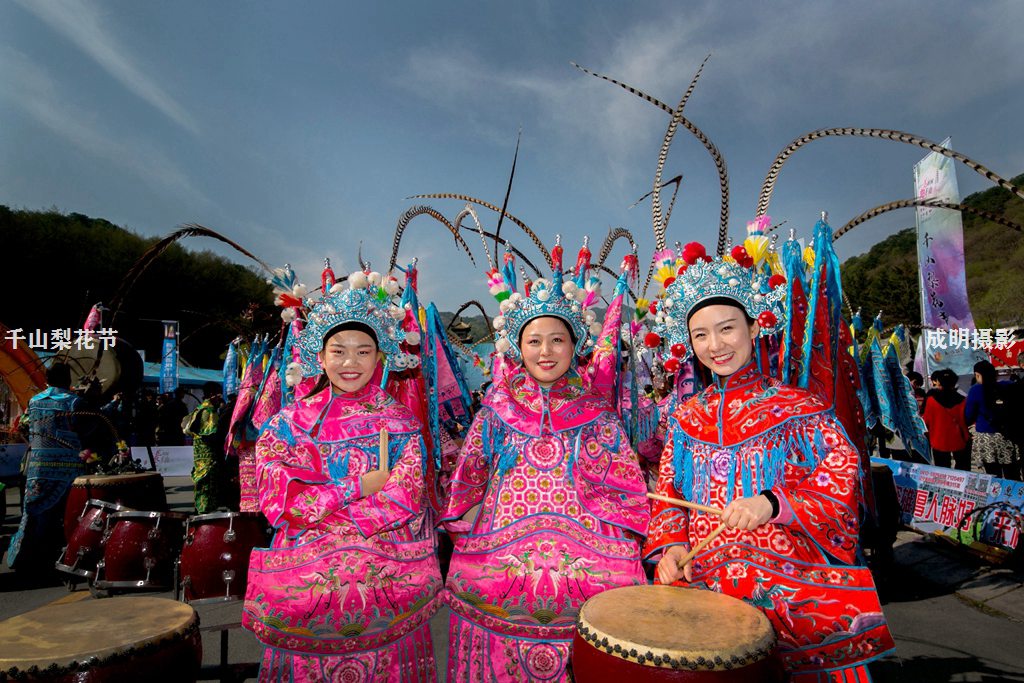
[780,466]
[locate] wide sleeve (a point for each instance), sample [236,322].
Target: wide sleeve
[609,481]
[471,474]
[820,491]
[398,501]
[669,523]
[293,488]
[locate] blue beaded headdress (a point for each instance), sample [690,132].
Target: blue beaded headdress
[741,277]
[366,300]
[568,300]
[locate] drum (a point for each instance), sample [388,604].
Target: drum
[85,544]
[139,550]
[121,640]
[664,633]
[141,491]
[215,556]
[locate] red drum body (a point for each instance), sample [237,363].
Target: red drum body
[141,491]
[668,634]
[85,544]
[215,557]
[122,640]
[139,550]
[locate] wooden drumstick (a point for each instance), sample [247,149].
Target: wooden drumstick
[383,465]
[687,504]
[700,546]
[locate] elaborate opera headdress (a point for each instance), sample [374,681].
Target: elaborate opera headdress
[744,276]
[368,300]
[569,300]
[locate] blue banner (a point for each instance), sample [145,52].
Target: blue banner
[169,358]
[231,370]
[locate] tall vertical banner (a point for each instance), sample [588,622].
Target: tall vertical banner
[940,254]
[230,382]
[169,358]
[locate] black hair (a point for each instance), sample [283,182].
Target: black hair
[718,301]
[349,325]
[947,379]
[59,375]
[989,382]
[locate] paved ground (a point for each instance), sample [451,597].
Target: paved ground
[954,617]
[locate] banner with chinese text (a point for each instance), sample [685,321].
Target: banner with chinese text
[169,358]
[940,253]
[938,498]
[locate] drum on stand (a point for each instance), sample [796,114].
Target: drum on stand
[665,633]
[215,556]
[139,491]
[121,640]
[140,550]
[85,544]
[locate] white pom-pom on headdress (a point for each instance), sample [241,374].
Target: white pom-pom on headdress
[391,285]
[338,286]
[374,278]
[293,374]
[288,314]
[397,312]
[300,290]
[412,338]
[502,345]
[358,280]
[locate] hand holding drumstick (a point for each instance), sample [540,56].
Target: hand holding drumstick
[374,480]
[743,513]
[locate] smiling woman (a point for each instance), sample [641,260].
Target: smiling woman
[547,501]
[351,579]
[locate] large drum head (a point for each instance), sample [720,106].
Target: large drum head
[676,628]
[90,633]
[118,368]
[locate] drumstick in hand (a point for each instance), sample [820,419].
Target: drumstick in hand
[383,466]
[687,504]
[700,546]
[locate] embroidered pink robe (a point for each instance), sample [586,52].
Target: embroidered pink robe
[743,435]
[563,511]
[349,583]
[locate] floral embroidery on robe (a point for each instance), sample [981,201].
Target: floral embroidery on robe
[563,511]
[743,435]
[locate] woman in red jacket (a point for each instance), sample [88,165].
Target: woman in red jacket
[947,427]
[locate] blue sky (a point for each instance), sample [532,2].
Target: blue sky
[299,129]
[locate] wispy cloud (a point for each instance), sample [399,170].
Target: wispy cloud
[83,26]
[29,87]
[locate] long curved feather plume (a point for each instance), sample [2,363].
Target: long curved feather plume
[935,203]
[610,240]
[896,136]
[487,205]
[411,213]
[508,190]
[720,166]
[504,240]
[660,222]
[151,254]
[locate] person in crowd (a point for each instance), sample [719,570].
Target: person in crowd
[777,463]
[206,427]
[170,412]
[990,411]
[547,501]
[947,426]
[917,385]
[145,419]
[348,585]
[52,465]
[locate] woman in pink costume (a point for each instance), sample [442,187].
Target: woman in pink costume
[347,588]
[547,497]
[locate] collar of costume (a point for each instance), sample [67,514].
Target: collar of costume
[745,276]
[569,300]
[331,417]
[521,403]
[745,375]
[366,300]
